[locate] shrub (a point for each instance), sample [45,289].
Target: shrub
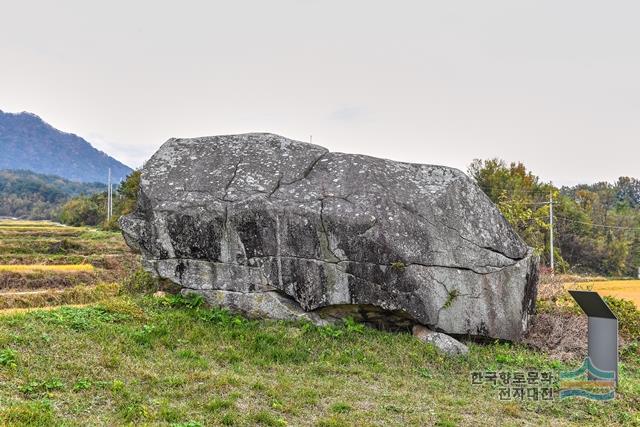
[628,316]
[81,211]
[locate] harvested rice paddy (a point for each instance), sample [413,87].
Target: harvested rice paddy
[626,289]
[46,267]
[45,264]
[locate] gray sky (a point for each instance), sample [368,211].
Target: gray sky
[555,84]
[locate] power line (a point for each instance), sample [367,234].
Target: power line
[513,191]
[524,203]
[617,227]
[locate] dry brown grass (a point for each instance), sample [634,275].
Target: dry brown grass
[24,223]
[562,335]
[52,297]
[26,259]
[557,328]
[550,287]
[41,280]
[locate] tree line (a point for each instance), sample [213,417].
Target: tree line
[596,226]
[29,195]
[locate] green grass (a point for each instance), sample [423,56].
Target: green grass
[143,360]
[171,361]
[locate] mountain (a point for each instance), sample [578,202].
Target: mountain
[26,194]
[29,143]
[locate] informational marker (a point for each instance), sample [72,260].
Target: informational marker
[602,331]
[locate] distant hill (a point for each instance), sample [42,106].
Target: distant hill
[25,194]
[29,143]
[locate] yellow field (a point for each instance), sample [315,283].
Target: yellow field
[627,289]
[36,227]
[29,268]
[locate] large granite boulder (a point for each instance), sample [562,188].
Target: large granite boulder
[279,228]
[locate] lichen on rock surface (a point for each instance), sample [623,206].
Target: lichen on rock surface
[279,228]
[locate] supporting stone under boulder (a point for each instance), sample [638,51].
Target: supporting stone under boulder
[443,342]
[278,228]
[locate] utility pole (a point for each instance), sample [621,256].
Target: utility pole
[109,197]
[551,230]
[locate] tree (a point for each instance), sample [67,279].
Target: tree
[520,196]
[92,210]
[628,190]
[81,211]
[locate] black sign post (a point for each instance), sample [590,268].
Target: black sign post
[602,331]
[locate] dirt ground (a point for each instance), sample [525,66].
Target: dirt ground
[561,335]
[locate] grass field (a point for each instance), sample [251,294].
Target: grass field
[627,289]
[157,361]
[125,358]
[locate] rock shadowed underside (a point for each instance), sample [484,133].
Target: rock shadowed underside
[272,227]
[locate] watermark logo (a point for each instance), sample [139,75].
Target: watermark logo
[521,385]
[589,382]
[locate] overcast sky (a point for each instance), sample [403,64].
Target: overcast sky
[555,84]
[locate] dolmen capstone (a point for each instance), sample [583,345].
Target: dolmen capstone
[276,228]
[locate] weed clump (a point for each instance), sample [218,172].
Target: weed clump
[190,300]
[140,282]
[8,358]
[37,413]
[451,297]
[398,266]
[42,386]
